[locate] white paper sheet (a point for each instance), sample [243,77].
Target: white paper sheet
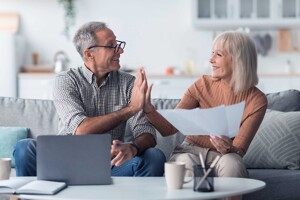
[221,120]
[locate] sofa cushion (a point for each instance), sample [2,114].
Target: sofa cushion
[276,143]
[9,136]
[38,115]
[165,103]
[167,144]
[284,101]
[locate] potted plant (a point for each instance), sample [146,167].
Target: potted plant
[69,16]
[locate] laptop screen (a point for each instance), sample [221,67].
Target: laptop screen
[74,159]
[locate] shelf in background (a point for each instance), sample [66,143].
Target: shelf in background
[157,75]
[39,85]
[37,69]
[279,74]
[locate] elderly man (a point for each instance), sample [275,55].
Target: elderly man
[96,98]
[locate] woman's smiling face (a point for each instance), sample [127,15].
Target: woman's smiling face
[221,63]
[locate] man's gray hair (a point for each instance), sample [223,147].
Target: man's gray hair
[85,36]
[242,50]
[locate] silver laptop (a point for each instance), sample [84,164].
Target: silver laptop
[76,160]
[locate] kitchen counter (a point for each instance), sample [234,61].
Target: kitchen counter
[157,75]
[39,85]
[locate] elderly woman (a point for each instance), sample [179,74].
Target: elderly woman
[232,80]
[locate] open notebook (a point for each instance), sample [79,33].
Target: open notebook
[29,186]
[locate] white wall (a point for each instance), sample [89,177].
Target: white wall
[159,33]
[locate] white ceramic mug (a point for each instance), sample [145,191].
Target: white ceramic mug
[174,174]
[5,167]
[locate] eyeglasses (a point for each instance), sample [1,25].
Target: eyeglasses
[120,44]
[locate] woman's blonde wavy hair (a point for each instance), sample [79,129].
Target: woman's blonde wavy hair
[242,50]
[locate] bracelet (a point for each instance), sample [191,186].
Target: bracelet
[137,148]
[234,150]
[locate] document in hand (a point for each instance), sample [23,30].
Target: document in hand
[221,120]
[29,186]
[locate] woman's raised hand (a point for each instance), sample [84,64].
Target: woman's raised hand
[137,100]
[148,107]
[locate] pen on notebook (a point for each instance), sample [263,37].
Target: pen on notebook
[207,172]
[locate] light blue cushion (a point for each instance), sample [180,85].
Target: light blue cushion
[9,136]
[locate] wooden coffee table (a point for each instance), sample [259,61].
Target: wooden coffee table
[126,188]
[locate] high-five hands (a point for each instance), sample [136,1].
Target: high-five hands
[141,93]
[120,152]
[223,144]
[138,92]
[148,107]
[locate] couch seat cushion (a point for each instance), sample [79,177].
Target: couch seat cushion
[280,184]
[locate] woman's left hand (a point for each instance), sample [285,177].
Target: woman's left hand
[222,143]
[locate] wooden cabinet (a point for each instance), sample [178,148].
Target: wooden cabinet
[254,14]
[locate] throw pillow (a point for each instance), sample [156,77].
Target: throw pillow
[9,136]
[276,144]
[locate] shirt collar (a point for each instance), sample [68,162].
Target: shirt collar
[90,76]
[87,74]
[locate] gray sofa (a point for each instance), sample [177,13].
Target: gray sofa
[282,183]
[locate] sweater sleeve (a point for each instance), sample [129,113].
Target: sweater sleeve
[254,114]
[164,126]
[256,105]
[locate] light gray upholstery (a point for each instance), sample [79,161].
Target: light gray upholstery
[38,115]
[276,143]
[41,117]
[285,101]
[167,144]
[281,184]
